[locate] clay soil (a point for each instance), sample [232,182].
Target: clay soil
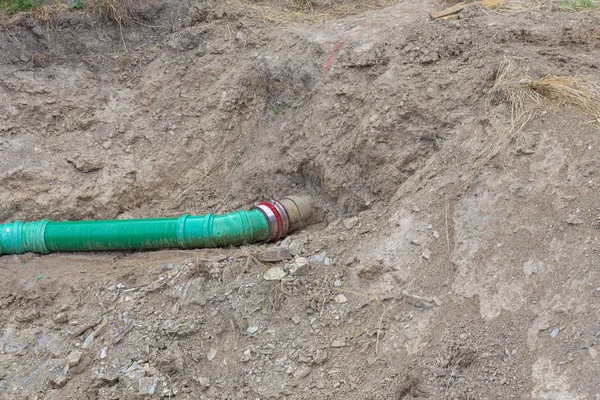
[433,274]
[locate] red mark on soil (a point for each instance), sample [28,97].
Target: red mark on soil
[337,48]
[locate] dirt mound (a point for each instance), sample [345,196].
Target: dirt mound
[433,274]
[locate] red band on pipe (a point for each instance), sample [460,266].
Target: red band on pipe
[277,217]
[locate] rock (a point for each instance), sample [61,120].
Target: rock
[554,333]
[593,352]
[204,381]
[350,223]
[426,254]
[107,144]
[338,343]
[436,234]
[74,357]
[274,274]
[422,302]
[212,352]
[302,372]
[573,219]
[135,374]
[337,283]
[247,356]
[103,352]
[88,341]
[252,329]
[320,257]
[275,255]
[416,242]
[300,267]
[410,335]
[61,317]
[429,226]
[60,378]
[147,386]
[340,298]
[296,319]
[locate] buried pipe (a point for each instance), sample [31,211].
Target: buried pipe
[267,221]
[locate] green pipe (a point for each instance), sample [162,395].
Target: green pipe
[266,222]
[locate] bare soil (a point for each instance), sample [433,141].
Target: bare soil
[430,277]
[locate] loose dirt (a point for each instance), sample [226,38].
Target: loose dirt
[432,275]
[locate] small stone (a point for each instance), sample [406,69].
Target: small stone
[60,379]
[252,329]
[247,356]
[350,223]
[340,298]
[88,341]
[302,372]
[204,381]
[61,317]
[320,257]
[103,352]
[416,242]
[275,255]
[338,343]
[429,226]
[135,374]
[593,352]
[210,355]
[410,335]
[74,357]
[436,234]
[573,219]
[295,319]
[300,267]
[327,261]
[426,254]
[554,333]
[337,283]
[274,274]
[107,144]
[147,386]
[463,336]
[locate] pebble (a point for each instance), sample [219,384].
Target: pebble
[554,333]
[295,319]
[410,335]
[436,234]
[340,298]
[426,254]
[275,255]
[320,257]
[147,386]
[74,357]
[204,381]
[416,242]
[103,352]
[247,356]
[350,223]
[300,267]
[135,374]
[338,343]
[573,219]
[107,144]
[429,226]
[212,352]
[274,274]
[60,379]
[593,352]
[337,283]
[302,372]
[252,329]
[61,317]
[88,341]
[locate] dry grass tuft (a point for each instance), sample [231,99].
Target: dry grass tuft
[122,12]
[47,12]
[312,11]
[528,96]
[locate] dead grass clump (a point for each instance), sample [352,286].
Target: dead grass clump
[313,11]
[528,96]
[47,12]
[122,12]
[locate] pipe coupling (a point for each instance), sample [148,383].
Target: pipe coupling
[286,216]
